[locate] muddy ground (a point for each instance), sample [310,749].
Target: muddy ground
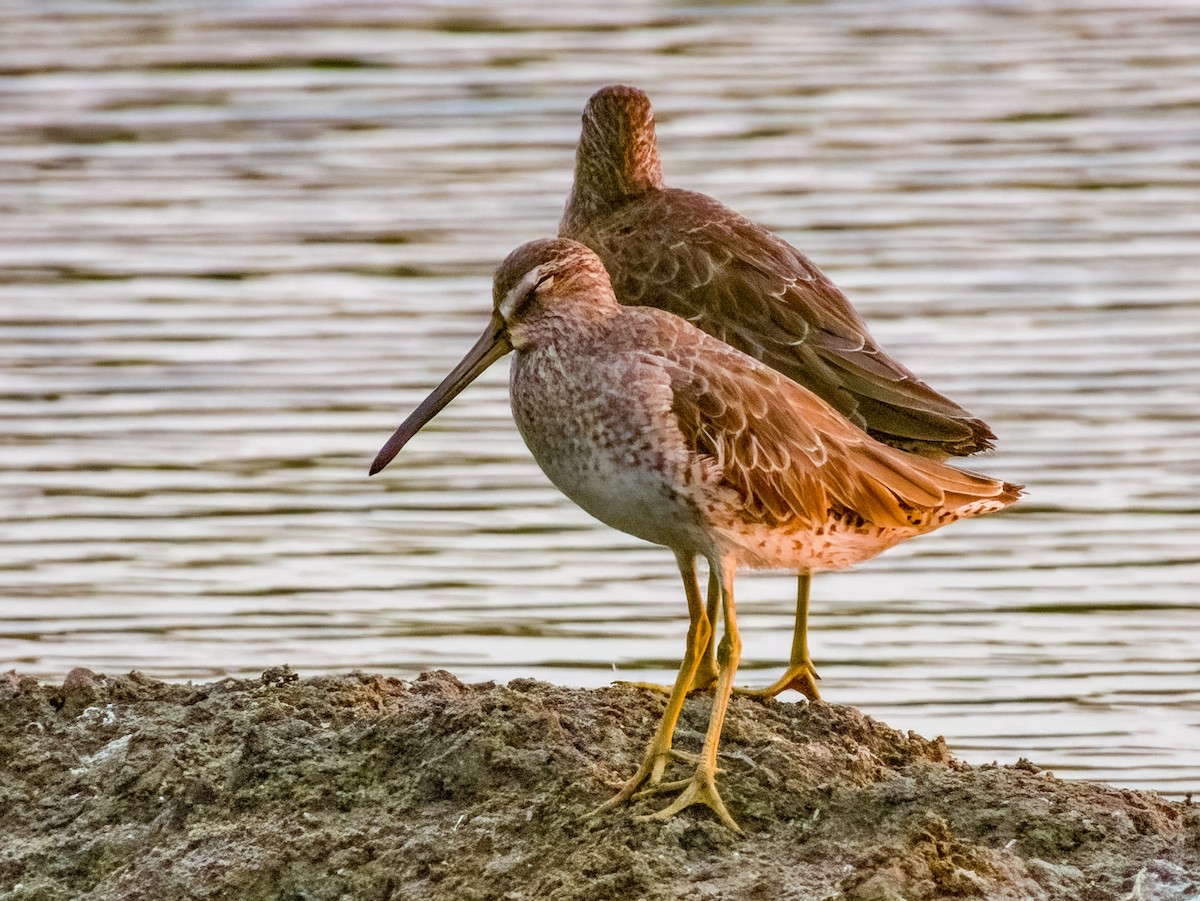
[365,787]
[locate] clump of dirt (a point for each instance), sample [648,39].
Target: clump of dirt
[366,787]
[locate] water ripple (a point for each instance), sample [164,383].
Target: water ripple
[229,265]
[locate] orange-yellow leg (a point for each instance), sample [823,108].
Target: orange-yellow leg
[706,672]
[658,752]
[800,675]
[702,787]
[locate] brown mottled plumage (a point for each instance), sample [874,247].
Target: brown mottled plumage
[660,430]
[686,253]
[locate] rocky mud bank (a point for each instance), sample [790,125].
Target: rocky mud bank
[367,787]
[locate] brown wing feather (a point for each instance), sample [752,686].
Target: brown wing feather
[690,255]
[791,457]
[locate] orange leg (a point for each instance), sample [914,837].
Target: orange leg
[706,672]
[800,675]
[658,752]
[702,787]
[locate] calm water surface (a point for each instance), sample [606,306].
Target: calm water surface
[239,241]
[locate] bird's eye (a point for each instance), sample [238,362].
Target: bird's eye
[521,295]
[541,281]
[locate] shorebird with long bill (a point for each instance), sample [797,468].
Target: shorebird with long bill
[691,255]
[660,430]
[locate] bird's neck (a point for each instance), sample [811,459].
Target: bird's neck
[611,169]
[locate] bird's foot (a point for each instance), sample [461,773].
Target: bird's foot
[700,789]
[687,757]
[801,677]
[649,774]
[645,686]
[704,680]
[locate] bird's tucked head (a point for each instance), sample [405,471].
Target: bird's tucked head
[617,158]
[542,290]
[546,283]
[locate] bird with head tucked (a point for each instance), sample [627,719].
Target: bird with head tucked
[689,254]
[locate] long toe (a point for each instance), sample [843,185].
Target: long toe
[798,678]
[662,788]
[648,776]
[646,686]
[700,789]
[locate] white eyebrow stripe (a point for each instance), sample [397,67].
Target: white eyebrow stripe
[517,294]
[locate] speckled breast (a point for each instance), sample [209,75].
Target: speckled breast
[591,425]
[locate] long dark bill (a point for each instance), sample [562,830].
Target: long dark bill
[491,346]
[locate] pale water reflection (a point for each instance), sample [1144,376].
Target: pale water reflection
[238,243]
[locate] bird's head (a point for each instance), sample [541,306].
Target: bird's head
[543,282]
[539,287]
[617,158]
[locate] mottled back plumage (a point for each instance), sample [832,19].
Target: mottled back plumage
[688,254]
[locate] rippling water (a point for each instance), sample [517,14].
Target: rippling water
[238,242]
